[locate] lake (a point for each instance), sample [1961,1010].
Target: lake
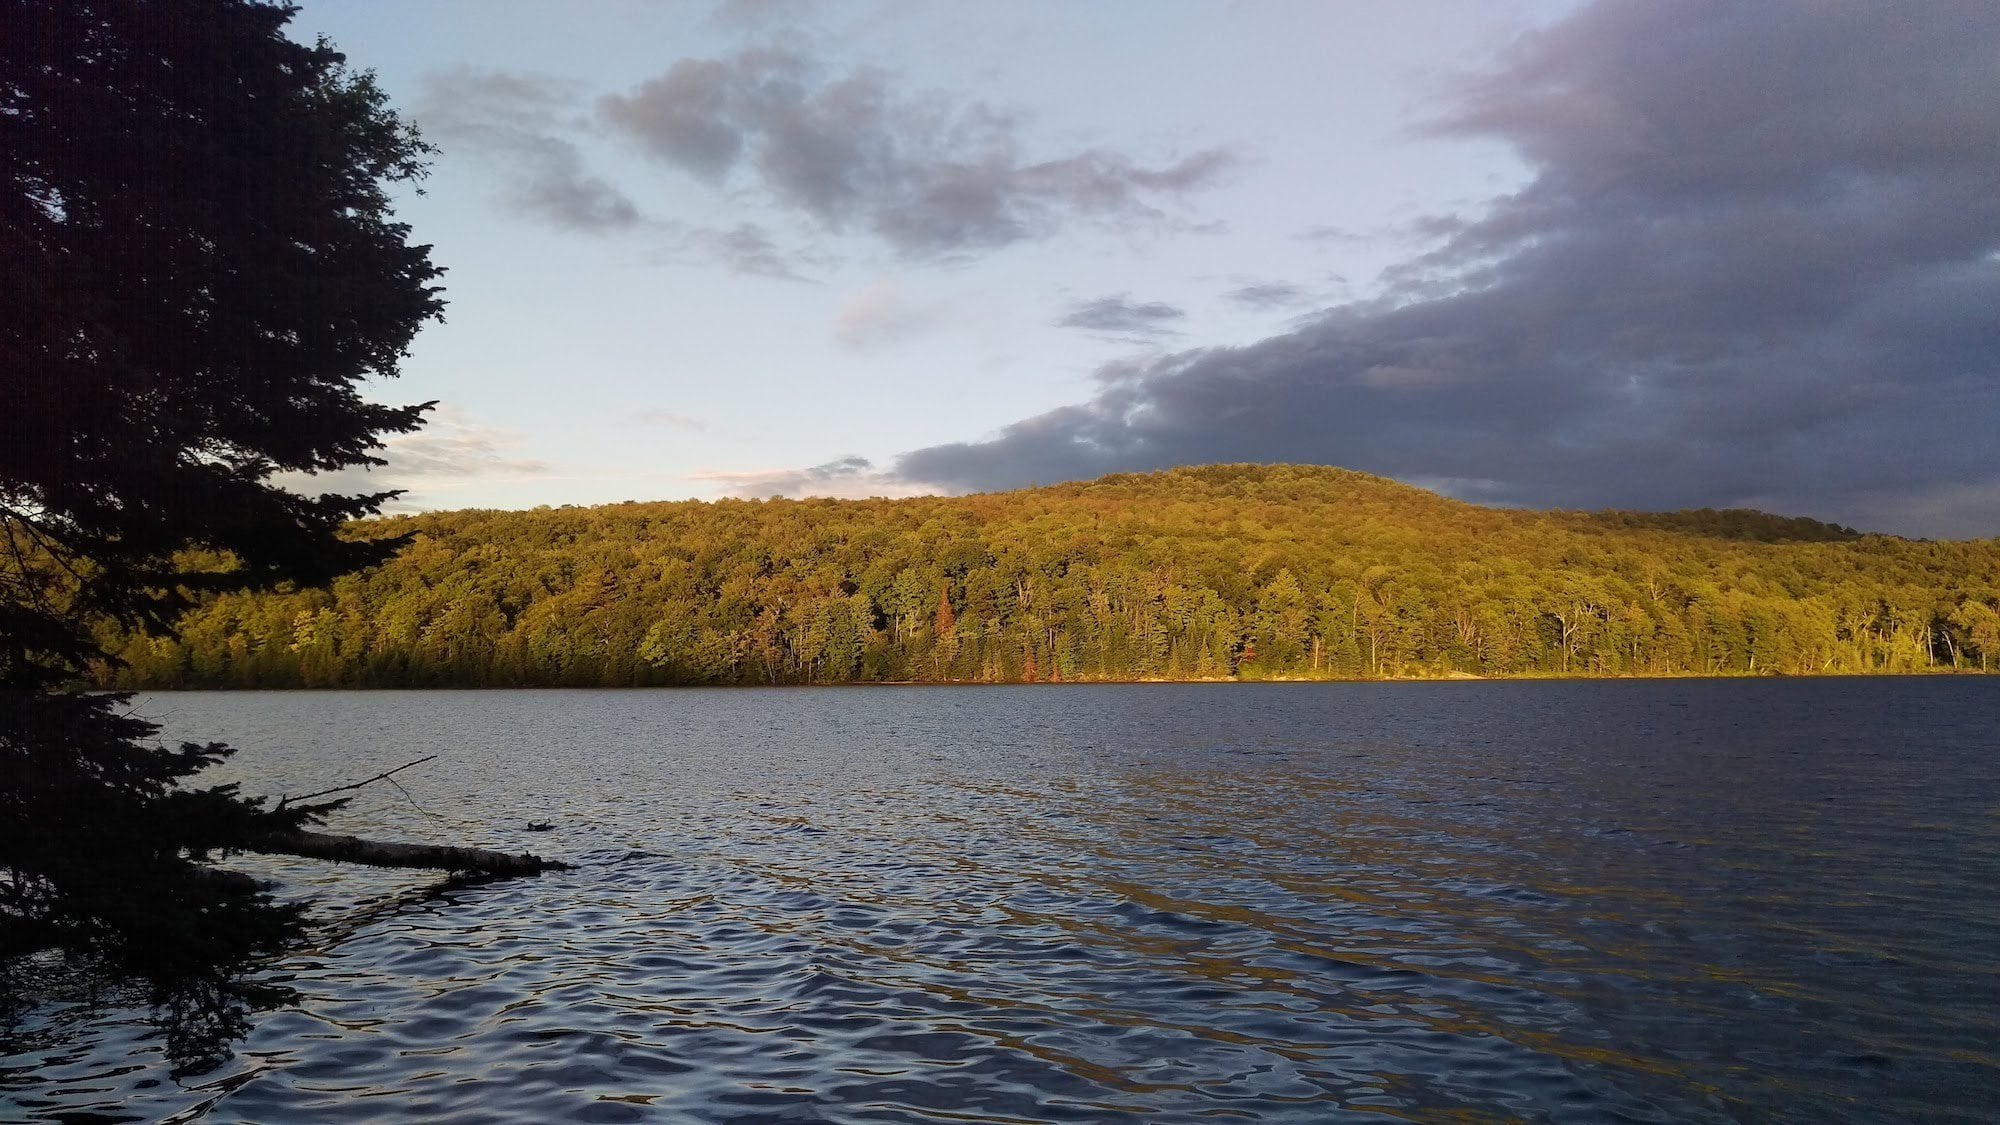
[1573,901]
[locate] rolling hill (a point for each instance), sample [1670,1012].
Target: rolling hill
[1222,571]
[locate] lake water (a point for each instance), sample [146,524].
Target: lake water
[1583,901]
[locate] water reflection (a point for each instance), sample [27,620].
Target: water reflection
[1140,904]
[197,1009]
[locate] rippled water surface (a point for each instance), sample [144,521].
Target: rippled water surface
[1643,901]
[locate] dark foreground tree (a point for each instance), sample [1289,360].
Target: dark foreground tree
[198,266]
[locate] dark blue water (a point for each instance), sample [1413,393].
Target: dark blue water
[1641,901]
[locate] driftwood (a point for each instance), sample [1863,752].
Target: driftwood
[377,853]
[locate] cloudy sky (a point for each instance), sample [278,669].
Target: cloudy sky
[1629,253]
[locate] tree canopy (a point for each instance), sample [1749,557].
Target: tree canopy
[200,266]
[1215,572]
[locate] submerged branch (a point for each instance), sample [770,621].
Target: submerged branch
[380,853]
[377,853]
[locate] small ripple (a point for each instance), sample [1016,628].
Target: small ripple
[1453,915]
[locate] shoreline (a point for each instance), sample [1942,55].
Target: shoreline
[1290,681]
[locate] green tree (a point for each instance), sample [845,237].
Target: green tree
[1981,625]
[199,264]
[1182,574]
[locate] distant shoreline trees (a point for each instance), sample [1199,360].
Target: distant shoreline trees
[1220,572]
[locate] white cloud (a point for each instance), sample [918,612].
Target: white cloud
[451,452]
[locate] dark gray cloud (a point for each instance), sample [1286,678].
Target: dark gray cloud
[519,121]
[522,126]
[1121,316]
[928,175]
[1758,262]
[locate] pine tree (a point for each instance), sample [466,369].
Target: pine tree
[199,264]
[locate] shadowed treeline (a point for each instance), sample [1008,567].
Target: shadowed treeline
[1223,571]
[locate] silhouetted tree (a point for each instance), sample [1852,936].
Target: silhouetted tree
[198,264]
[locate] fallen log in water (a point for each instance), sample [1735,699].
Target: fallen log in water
[378,853]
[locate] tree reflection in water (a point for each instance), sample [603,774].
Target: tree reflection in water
[197,1008]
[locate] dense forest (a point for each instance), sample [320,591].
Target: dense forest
[1246,572]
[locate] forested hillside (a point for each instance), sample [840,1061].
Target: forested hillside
[1213,572]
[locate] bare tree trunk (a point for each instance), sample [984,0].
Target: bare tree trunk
[376,853]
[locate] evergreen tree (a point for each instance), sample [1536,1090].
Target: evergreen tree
[199,264]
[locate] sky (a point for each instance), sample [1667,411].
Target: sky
[1537,253]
